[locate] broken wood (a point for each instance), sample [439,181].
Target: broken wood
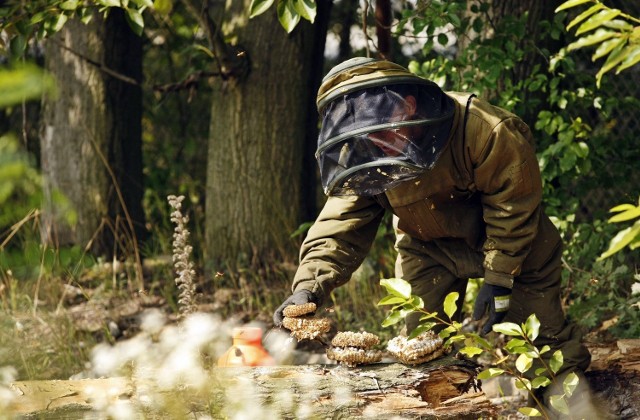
[443,388]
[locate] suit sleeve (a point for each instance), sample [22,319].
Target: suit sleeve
[507,174]
[337,243]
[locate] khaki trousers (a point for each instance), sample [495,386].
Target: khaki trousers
[436,268]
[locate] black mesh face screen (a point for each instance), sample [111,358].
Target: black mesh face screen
[375,138]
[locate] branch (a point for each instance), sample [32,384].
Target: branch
[232,61]
[100,66]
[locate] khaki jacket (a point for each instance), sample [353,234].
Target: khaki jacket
[485,189]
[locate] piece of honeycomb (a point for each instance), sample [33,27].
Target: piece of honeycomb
[362,340]
[353,356]
[423,348]
[299,310]
[306,328]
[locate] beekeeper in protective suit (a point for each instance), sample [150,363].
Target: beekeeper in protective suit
[462,181]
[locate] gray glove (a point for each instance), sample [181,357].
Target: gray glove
[298,298]
[497,299]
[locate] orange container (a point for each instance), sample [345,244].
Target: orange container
[247,349]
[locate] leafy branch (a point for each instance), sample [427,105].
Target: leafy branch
[616,34]
[626,237]
[521,347]
[289,11]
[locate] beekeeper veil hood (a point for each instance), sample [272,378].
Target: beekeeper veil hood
[381,125]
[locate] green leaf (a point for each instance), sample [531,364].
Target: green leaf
[258,7]
[581,149]
[287,15]
[606,47]
[523,383]
[622,207]
[631,59]
[164,7]
[420,329]
[306,9]
[514,343]
[450,306]
[110,3]
[415,303]
[143,3]
[626,215]
[69,5]
[447,332]
[597,20]
[582,16]
[62,19]
[597,37]
[622,239]
[22,84]
[392,319]
[508,328]
[544,349]
[556,361]
[616,56]
[571,3]
[532,327]
[558,402]
[540,381]
[480,341]
[620,25]
[455,339]
[530,411]
[397,287]
[18,45]
[523,363]
[430,315]
[470,351]
[570,384]
[391,300]
[136,22]
[490,373]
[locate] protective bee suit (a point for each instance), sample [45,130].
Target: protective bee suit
[462,181]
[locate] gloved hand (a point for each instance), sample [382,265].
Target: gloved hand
[497,298]
[298,298]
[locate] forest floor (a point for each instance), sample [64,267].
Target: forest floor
[614,373]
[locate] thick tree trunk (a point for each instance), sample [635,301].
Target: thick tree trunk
[91,137]
[256,142]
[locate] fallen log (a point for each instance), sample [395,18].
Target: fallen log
[443,388]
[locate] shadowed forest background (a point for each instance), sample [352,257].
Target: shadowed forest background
[110,106]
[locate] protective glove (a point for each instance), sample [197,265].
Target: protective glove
[297,298]
[497,298]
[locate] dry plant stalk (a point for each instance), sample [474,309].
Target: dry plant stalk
[182,258]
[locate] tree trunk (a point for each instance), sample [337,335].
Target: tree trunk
[91,137]
[256,141]
[383,28]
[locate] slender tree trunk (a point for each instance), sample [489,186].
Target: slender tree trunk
[383,28]
[90,141]
[256,142]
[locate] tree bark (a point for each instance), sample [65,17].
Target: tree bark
[443,388]
[257,137]
[383,28]
[91,137]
